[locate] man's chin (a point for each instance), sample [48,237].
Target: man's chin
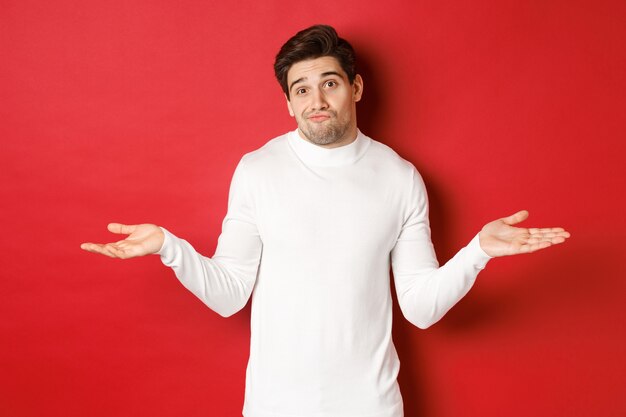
[320,135]
[321,139]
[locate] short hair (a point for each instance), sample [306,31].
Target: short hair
[314,42]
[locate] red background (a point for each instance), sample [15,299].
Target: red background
[139,112]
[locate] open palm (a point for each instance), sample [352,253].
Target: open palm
[142,239]
[501,238]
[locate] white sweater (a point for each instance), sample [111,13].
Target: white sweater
[314,231]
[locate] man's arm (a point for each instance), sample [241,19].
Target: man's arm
[426,292]
[225,281]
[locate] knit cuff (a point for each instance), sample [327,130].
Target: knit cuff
[167,249]
[476,253]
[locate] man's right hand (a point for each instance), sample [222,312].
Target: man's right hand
[142,239]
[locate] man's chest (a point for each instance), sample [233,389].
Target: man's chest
[360,211]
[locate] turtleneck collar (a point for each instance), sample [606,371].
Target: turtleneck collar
[315,155]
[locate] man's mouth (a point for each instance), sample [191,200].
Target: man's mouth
[318,117]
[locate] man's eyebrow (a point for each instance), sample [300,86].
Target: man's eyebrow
[326,74]
[299,80]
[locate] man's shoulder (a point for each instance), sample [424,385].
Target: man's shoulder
[267,154]
[389,158]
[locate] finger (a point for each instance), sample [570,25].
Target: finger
[529,248]
[550,235]
[540,245]
[533,245]
[518,217]
[124,250]
[97,248]
[121,228]
[114,250]
[543,235]
[91,247]
[546,230]
[535,240]
[109,251]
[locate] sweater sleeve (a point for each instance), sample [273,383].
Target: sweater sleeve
[225,281]
[426,291]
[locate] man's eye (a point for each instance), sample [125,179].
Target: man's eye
[301,91]
[331,83]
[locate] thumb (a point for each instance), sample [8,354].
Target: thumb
[518,217]
[121,228]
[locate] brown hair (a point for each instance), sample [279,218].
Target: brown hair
[314,42]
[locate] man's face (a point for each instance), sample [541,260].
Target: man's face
[323,101]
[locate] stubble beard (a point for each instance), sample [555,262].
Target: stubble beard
[325,133]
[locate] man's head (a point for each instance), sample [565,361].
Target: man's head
[316,70]
[311,43]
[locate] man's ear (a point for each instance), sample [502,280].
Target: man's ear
[357,88]
[289,106]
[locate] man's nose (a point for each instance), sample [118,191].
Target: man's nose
[319,100]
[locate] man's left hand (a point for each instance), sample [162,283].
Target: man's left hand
[500,238]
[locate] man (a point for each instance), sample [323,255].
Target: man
[315,219]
